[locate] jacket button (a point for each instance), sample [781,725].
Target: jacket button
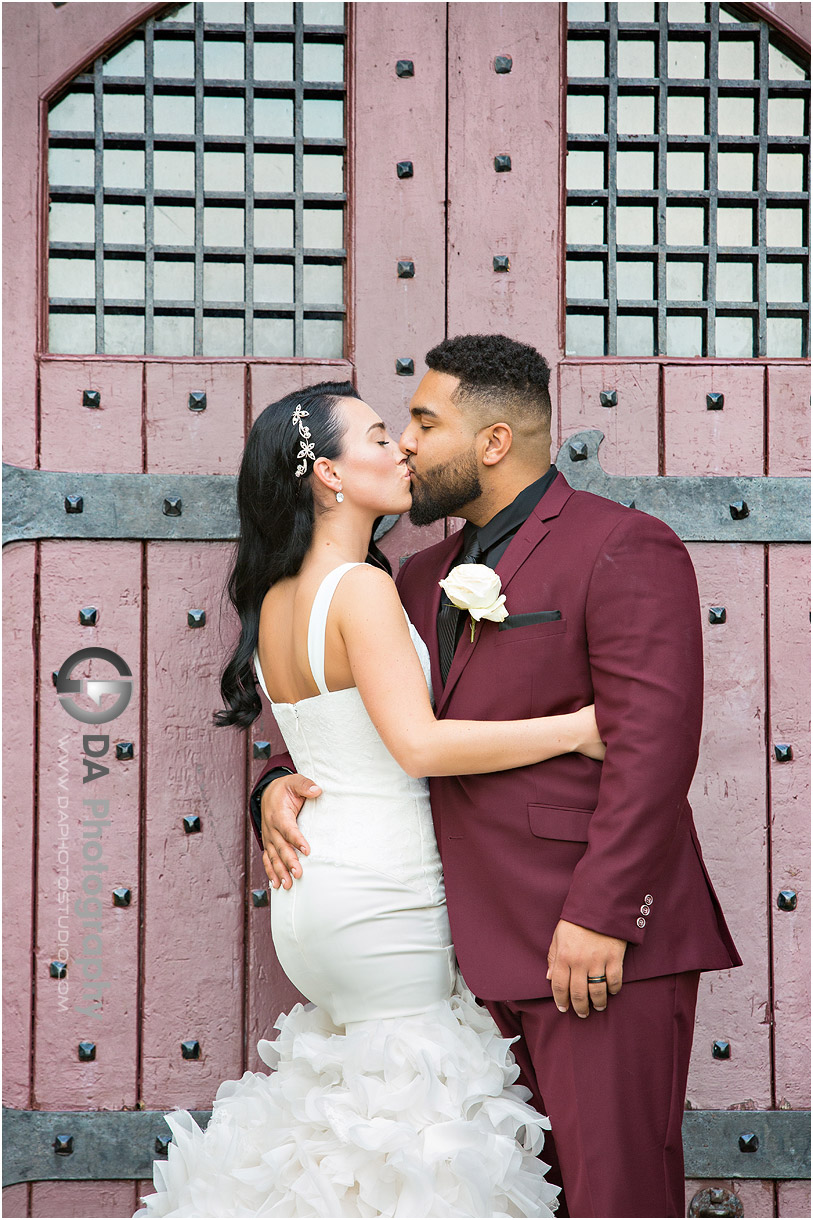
[648,899]
[645,910]
[641,922]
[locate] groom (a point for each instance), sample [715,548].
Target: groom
[580,907]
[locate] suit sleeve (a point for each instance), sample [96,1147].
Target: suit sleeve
[281,764]
[645,647]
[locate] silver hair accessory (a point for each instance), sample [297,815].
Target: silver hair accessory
[306,444]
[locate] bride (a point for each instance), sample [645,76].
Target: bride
[390,1093]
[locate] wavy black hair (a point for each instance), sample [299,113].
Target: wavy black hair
[494,367]
[277,514]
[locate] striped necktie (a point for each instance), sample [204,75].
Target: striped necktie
[449,616]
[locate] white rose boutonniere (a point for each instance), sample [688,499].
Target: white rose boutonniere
[476,588]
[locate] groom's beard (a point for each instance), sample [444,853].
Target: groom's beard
[444,490]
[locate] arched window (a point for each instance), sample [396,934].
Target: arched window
[197,195]
[687,171]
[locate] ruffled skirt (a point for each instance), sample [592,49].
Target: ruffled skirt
[406,1116]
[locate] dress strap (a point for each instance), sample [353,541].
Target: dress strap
[318,623]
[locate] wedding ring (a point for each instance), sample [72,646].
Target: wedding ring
[599,978]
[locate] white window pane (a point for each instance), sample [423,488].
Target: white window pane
[323,284]
[72,222]
[684,336]
[273,172]
[785,171]
[585,279]
[223,171]
[736,60]
[223,282]
[174,281]
[124,224]
[186,14]
[781,67]
[129,61]
[636,114]
[735,282]
[634,335]
[273,337]
[585,225]
[687,59]
[686,171]
[585,10]
[223,60]
[227,13]
[323,337]
[686,116]
[785,282]
[682,10]
[735,116]
[735,227]
[274,116]
[323,61]
[273,283]
[585,335]
[173,335]
[123,334]
[270,13]
[174,226]
[223,116]
[124,167]
[322,14]
[174,57]
[685,226]
[222,336]
[585,169]
[273,61]
[785,337]
[72,278]
[735,336]
[636,57]
[634,280]
[636,11]
[223,226]
[70,166]
[323,173]
[585,113]
[73,113]
[173,115]
[123,279]
[322,118]
[123,112]
[735,171]
[784,226]
[274,228]
[684,281]
[323,228]
[635,226]
[786,116]
[635,171]
[587,57]
[72,333]
[174,170]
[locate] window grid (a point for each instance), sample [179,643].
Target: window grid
[182,27]
[601,323]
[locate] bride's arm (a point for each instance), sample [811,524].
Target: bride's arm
[390,680]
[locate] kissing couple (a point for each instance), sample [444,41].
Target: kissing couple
[502,959]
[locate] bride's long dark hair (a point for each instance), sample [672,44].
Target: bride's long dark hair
[277,513]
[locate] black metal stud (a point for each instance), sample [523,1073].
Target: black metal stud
[124,750]
[503,64]
[63,1145]
[716,1202]
[197,400]
[191,824]
[74,504]
[57,970]
[739,510]
[715,401]
[405,67]
[748,1142]
[717,614]
[259,898]
[172,506]
[404,169]
[627,503]
[720,1049]
[190,1049]
[405,366]
[162,1143]
[501,262]
[786,900]
[87,1051]
[608,398]
[262,749]
[578,451]
[195,618]
[88,616]
[122,897]
[91,398]
[406,269]
[502,163]
[783,752]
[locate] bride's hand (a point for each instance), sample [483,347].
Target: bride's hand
[588,740]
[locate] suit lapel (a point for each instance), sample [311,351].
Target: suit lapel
[519,549]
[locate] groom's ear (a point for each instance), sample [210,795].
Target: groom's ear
[495,441]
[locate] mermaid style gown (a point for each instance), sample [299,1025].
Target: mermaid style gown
[390,1093]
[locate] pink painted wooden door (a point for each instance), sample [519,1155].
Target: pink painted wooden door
[190,957]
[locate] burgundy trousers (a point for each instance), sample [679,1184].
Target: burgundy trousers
[613,1085]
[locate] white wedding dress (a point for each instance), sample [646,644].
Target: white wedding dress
[390,1093]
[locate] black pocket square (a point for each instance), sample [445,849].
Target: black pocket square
[533,616]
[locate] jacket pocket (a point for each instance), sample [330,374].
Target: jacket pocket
[519,627]
[553,822]
[533,616]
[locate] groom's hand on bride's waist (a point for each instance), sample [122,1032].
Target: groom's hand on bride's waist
[281,803]
[584,967]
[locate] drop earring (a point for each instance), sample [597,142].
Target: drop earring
[339,497]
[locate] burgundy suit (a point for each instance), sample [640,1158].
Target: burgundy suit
[610,846]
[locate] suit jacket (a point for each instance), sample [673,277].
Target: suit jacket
[608,845]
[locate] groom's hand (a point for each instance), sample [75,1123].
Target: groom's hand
[280,804]
[577,954]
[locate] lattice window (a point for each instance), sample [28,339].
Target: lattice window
[687,173]
[197,192]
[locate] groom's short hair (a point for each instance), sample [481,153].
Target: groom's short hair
[496,372]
